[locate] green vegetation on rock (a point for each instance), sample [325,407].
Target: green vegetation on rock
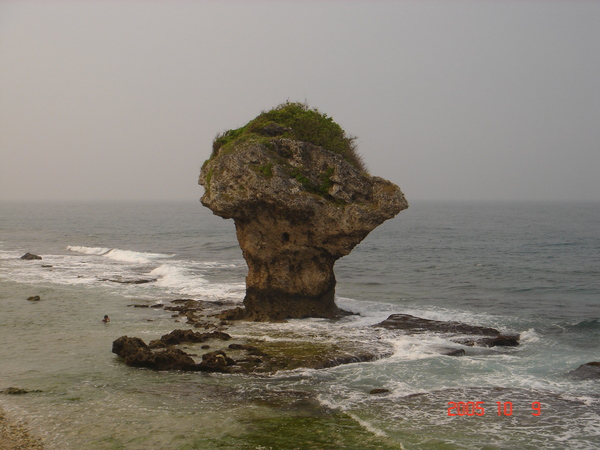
[297,121]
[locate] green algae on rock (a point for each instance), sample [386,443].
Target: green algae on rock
[301,199]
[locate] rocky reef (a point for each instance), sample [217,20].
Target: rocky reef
[240,347]
[300,199]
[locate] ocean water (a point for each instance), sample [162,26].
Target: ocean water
[529,268]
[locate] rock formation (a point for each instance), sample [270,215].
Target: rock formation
[300,200]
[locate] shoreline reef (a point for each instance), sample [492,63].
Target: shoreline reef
[214,349]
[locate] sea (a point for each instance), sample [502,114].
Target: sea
[531,268]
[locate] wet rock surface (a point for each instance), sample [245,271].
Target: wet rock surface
[588,371]
[30,256]
[483,336]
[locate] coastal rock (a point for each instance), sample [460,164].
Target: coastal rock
[299,203]
[178,336]
[30,256]
[487,337]
[126,345]
[168,359]
[587,371]
[129,281]
[378,391]
[137,354]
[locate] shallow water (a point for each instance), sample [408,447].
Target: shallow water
[527,268]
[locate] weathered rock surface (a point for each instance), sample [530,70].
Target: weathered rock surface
[587,371]
[485,336]
[297,209]
[30,256]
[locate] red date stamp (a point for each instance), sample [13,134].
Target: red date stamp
[478,408]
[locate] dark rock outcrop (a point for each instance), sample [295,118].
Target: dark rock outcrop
[16,391]
[452,351]
[378,391]
[129,281]
[30,256]
[126,345]
[297,208]
[487,337]
[587,371]
[137,354]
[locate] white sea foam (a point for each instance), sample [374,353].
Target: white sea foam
[129,256]
[529,336]
[172,276]
[180,280]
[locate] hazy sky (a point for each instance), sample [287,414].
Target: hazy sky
[449,99]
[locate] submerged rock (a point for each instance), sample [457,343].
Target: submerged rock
[30,256]
[16,391]
[129,281]
[378,391]
[300,200]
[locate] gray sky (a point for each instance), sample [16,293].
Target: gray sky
[450,99]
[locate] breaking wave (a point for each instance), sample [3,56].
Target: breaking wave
[127,256]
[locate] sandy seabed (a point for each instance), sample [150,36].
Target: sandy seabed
[14,436]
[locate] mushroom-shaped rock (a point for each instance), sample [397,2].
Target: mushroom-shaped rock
[300,199]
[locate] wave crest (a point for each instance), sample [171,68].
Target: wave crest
[88,250]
